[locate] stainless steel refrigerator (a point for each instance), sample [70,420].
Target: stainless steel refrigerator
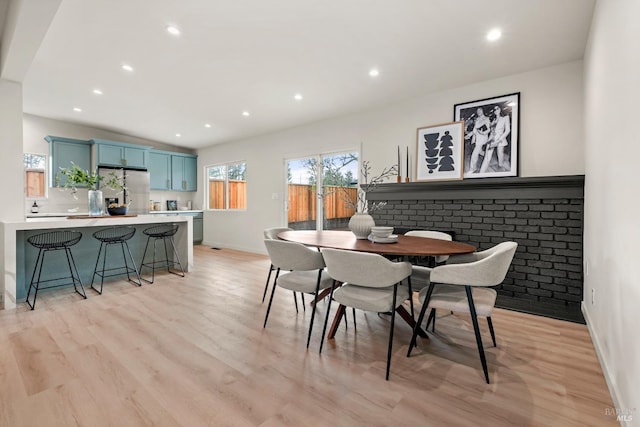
[137,192]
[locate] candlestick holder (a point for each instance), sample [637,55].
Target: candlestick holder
[406,179]
[399,179]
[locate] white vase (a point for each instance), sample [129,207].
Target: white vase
[95,203]
[360,224]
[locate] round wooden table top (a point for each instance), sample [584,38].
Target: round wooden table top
[405,246]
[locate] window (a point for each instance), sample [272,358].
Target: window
[321,191]
[227,186]
[35,172]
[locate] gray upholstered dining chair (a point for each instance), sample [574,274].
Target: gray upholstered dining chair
[370,282]
[420,275]
[462,284]
[298,269]
[272,234]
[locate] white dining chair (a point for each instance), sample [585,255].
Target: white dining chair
[298,269]
[420,274]
[462,284]
[370,282]
[272,234]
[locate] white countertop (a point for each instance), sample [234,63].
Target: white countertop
[57,222]
[179,211]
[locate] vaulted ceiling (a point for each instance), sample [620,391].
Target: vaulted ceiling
[253,56]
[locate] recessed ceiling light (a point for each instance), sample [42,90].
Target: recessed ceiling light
[374,72]
[297,97]
[207,125]
[246,113]
[178,135]
[494,34]
[77,109]
[97,91]
[127,67]
[173,30]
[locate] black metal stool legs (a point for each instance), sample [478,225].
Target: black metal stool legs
[165,233]
[115,271]
[46,243]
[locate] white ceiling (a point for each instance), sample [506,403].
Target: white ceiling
[254,55]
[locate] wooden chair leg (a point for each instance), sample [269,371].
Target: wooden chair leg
[326,317]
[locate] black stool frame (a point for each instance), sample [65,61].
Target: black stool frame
[114,236]
[166,233]
[54,241]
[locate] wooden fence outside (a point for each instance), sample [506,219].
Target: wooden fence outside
[237,194]
[302,200]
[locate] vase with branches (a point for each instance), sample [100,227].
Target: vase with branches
[361,222]
[77,177]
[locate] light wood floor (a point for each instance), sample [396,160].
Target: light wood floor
[192,352]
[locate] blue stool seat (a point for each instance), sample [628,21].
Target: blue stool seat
[61,240]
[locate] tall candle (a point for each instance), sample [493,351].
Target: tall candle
[407,171]
[399,174]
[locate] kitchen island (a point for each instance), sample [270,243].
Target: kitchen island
[18,257]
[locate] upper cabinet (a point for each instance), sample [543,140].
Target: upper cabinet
[160,170]
[167,170]
[117,154]
[173,171]
[184,173]
[63,152]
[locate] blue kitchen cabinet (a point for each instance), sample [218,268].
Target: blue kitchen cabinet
[65,151]
[184,172]
[118,154]
[159,170]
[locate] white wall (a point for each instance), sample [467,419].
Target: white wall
[11,163]
[551,143]
[60,200]
[612,231]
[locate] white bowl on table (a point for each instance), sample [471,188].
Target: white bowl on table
[381,231]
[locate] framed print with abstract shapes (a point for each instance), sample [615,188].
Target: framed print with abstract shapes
[439,154]
[491,129]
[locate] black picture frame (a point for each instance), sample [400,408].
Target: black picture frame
[486,120]
[172,205]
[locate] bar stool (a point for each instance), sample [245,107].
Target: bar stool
[54,241]
[165,233]
[114,236]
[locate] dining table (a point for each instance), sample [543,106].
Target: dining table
[404,247]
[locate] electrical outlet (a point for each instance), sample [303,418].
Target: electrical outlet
[593,296]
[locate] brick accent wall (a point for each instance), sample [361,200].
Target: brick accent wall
[546,273]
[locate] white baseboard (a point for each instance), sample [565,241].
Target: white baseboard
[617,403]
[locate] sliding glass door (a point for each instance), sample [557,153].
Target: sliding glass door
[321,191]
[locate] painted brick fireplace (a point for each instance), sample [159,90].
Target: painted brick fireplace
[544,215]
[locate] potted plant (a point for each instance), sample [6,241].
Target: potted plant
[117,184]
[76,176]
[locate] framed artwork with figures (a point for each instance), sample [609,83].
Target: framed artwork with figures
[491,129]
[439,154]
